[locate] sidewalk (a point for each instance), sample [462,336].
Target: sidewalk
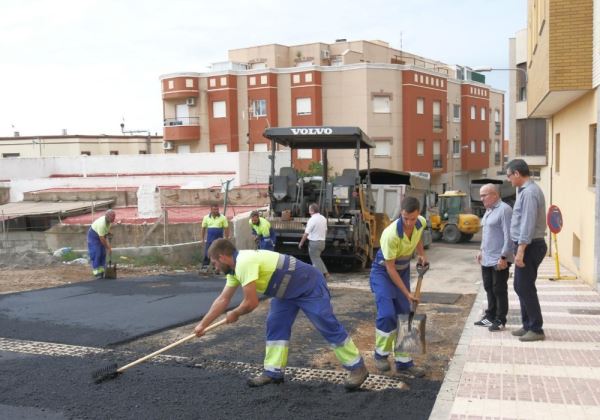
[495,376]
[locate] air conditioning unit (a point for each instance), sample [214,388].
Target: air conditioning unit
[191,101]
[324,53]
[167,145]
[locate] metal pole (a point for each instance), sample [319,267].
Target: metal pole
[226,196]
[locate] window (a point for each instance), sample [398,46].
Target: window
[264,79]
[143,152]
[114,152]
[456,113]
[381,104]
[86,153]
[416,78]
[219,109]
[252,81]
[304,154]
[11,155]
[592,154]
[383,148]
[455,148]
[223,81]
[482,146]
[220,148]
[261,147]
[212,82]
[420,147]
[189,83]
[497,153]
[473,146]
[303,106]
[437,155]
[259,108]
[496,116]
[557,153]
[482,114]
[170,84]
[437,114]
[420,105]
[473,112]
[183,149]
[308,77]
[296,78]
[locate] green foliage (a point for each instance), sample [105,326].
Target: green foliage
[314,169]
[70,256]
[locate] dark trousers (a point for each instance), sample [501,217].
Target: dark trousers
[525,277]
[495,283]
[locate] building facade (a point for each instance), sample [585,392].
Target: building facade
[563,73]
[73,145]
[422,114]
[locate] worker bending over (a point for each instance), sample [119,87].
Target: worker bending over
[262,232]
[293,285]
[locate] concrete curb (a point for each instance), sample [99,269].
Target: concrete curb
[447,394]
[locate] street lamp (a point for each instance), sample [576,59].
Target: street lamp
[487,69]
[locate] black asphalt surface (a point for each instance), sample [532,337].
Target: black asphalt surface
[38,387]
[105,312]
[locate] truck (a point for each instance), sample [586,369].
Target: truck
[354,225]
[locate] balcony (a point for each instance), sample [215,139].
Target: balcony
[437,122]
[182,128]
[437,162]
[498,130]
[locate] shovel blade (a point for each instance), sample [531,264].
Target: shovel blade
[413,340]
[110,271]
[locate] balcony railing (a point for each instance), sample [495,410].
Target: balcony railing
[497,128]
[168,122]
[437,161]
[437,121]
[497,158]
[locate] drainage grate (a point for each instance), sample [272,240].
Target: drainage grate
[294,374]
[373,382]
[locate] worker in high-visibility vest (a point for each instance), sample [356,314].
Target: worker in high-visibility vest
[98,244]
[294,285]
[262,232]
[390,283]
[214,226]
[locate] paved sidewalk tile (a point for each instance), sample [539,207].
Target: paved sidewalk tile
[499,377]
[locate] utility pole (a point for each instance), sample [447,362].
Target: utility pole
[147,132]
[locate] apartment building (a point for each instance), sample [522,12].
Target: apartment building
[563,70]
[73,145]
[423,115]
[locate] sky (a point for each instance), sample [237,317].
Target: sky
[87,65]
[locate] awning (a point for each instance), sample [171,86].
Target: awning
[46,208]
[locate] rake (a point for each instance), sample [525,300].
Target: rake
[112,371]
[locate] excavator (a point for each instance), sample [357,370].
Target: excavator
[453,222]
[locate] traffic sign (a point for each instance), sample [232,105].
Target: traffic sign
[554,219]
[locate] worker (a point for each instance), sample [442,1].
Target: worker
[316,233]
[390,283]
[215,226]
[262,232]
[98,244]
[294,285]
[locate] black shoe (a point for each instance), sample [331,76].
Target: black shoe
[497,325]
[263,380]
[483,322]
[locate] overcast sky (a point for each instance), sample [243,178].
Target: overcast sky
[84,65]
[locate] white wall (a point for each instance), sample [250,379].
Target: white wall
[195,170]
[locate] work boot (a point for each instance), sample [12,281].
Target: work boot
[99,276]
[262,380]
[532,336]
[413,371]
[203,270]
[519,333]
[383,365]
[356,378]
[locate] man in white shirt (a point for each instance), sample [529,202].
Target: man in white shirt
[316,232]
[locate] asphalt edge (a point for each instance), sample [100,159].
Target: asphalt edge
[447,394]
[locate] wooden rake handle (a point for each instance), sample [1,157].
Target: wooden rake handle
[170,346]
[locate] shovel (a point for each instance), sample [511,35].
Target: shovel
[110,271]
[411,327]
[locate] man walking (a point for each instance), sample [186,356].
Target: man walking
[316,233]
[495,257]
[214,225]
[293,285]
[390,283]
[97,242]
[527,231]
[262,232]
